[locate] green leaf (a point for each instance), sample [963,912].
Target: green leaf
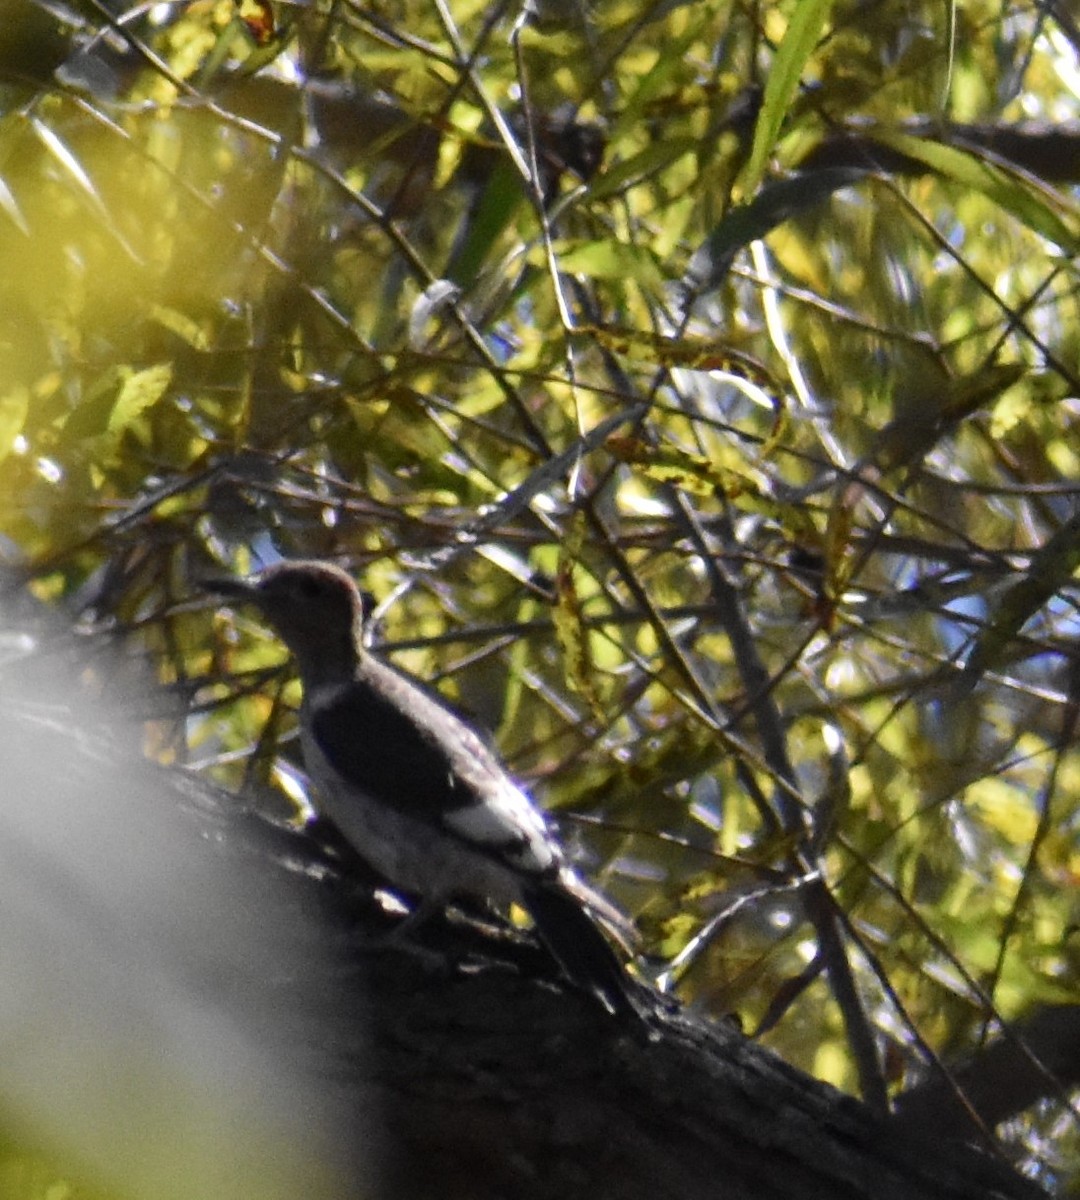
[692,353]
[650,161]
[800,39]
[609,259]
[569,622]
[1009,192]
[502,196]
[701,476]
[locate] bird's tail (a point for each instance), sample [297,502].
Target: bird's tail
[582,951]
[621,928]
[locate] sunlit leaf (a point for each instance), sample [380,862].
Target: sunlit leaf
[705,477]
[139,391]
[183,326]
[609,259]
[14,406]
[258,17]
[653,84]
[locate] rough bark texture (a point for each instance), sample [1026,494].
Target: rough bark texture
[493,1082]
[456,1062]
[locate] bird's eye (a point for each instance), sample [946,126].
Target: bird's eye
[309,587]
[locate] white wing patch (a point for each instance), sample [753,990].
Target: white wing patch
[507,822]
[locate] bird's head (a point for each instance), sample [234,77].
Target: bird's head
[315,608]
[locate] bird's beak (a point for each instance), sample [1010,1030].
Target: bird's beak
[232,588]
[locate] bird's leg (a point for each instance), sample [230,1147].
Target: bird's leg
[400,936]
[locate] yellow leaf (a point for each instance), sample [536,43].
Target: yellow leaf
[139,390]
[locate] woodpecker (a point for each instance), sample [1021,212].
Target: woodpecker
[416,792]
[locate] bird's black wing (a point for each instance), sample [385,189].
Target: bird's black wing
[372,738]
[401,748]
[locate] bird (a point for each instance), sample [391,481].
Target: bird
[418,793]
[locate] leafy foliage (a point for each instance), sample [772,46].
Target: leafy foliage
[694,388]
